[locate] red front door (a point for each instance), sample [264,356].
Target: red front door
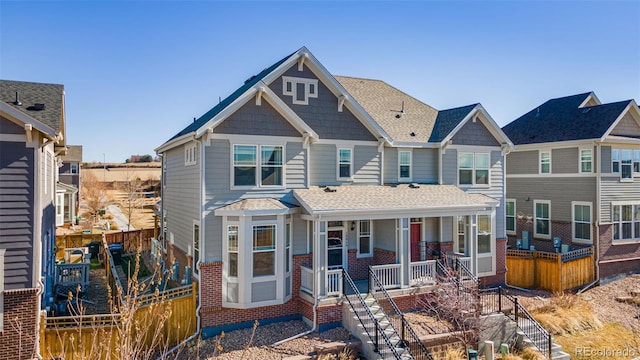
[416,232]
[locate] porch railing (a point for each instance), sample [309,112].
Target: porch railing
[422,272]
[389,275]
[73,274]
[453,260]
[334,282]
[306,279]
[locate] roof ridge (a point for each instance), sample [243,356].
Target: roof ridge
[30,82]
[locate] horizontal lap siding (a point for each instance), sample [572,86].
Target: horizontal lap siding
[522,162]
[16,213]
[181,197]
[614,190]
[564,161]
[366,165]
[390,165]
[425,165]
[295,164]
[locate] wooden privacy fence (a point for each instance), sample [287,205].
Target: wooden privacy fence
[550,271]
[129,240]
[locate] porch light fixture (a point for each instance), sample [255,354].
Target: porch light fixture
[353,225]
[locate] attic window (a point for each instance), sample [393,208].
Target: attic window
[300,89]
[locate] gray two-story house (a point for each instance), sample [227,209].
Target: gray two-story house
[32,136]
[575,176]
[299,175]
[68,186]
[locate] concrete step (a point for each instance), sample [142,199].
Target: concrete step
[561,356]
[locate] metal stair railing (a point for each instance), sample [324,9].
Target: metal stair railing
[369,319]
[509,305]
[408,336]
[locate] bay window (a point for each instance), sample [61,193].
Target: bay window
[484,234]
[626,222]
[232,248]
[264,250]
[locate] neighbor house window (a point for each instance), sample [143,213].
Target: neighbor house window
[586,161]
[190,155]
[344,163]
[626,222]
[636,162]
[247,166]
[196,247]
[545,162]
[582,221]
[623,162]
[365,247]
[484,234]
[473,169]
[542,209]
[74,168]
[264,250]
[404,165]
[510,213]
[232,248]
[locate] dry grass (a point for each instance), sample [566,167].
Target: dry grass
[453,353]
[610,337]
[566,314]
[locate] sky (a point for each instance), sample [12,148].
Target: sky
[137,72]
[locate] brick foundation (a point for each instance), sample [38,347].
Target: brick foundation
[558,228]
[617,259]
[174,253]
[18,339]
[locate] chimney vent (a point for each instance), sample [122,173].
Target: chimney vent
[17,102]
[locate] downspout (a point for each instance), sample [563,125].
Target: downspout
[598,191]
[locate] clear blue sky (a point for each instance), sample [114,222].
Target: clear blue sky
[136,73]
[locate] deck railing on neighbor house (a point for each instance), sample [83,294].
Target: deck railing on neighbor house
[334,282]
[306,279]
[388,274]
[422,273]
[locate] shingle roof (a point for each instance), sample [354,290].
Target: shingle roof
[562,119]
[447,120]
[385,198]
[51,95]
[74,154]
[229,99]
[384,103]
[257,204]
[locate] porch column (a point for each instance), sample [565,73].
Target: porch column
[473,243]
[320,257]
[404,248]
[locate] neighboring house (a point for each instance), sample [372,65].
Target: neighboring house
[32,136]
[299,174]
[575,174]
[68,186]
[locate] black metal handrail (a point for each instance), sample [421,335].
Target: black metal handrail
[465,271]
[370,319]
[412,341]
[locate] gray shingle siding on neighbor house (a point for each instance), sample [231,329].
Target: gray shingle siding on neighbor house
[252,119]
[612,189]
[321,114]
[474,133]
[523,162]
[16,212]
[180,196]
[627,126]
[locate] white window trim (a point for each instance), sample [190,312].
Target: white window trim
[71,166]
[492,254]
[400,178]
[456,235]
[535,219]
[2,254]
[515,217]
[274,250]
[580,150]
[190,155]
[350,164]
[540,152]
[196,271]
[359,235]
[573,222]
[258,168]
[473,169]
[636,238]
[294,89]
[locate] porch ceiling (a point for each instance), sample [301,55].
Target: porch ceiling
[408,199]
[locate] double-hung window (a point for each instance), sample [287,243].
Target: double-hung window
[461,236]
[364,239]
[345,160]
[626,222]
[484,234]
[257,168]
[581,221]
[264,250]
[586,161]
[232,248]
[510,213]
[473,169]
[404,165]
[542,210]
[545,162]
[623,162]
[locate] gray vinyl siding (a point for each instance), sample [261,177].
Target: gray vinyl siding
[322,114]
[605,154]
[17,194]
[181,198]
[627,126]
[523,162]
[323,158]
[299,240]
[474,133]
[424,165]
[560,191]
[252,119]
[432,229]
[384,234]
[564,161]
[295,165]
[213,237]
[450,167]
[612,189]
[447,229]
